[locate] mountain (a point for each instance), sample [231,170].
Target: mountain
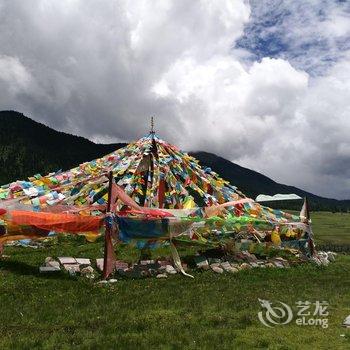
[28,147]
[252,183]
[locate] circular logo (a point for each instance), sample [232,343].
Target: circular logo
[274,315]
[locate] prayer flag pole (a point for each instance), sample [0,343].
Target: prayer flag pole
[305,217]
[109,255]
[152,132]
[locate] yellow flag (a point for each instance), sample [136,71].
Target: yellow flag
[189,203]
[275,238]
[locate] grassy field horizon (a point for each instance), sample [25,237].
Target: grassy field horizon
[331,228]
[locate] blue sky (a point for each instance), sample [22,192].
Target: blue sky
[292,30]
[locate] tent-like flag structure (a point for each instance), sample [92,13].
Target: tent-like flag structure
[155,193]
[151,171]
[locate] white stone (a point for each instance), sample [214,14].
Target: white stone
[83,261]
[53,263]
[226,265]
[228,268]
[245,266]
[72,267]
[87,270]
[102,282]
[99,263]
[331,256]
[216,268]
[146,262]
[316,260]
[278,264]
[162,275]
[170,270]
[66,260]
[203,264]
[346,322]
[324,260]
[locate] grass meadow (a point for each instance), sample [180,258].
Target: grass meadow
[212,311]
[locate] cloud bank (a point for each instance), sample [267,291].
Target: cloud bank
[100,69]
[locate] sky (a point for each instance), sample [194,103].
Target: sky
[263,83]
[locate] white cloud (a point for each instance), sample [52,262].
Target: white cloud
[101,69]
[14,74]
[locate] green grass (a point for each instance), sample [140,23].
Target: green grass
[211,311]
[331,227]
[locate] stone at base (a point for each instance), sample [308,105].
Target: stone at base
[201,262]
[331,256]
[87,270]
[72,267]
[216,268]
[278,264]
[99,264]
[170,270]
[228,267]
[66,260]
[346,322]
[146,262]
[102,282]
[162,275]
[245,266]
[119,265]
[83,261]
[53,263]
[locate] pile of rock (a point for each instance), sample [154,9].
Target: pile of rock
[238,261]
[83,266]
[145,268]
[324,258]
[233,263]
[69,264]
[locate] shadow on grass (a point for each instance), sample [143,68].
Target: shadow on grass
[24,269]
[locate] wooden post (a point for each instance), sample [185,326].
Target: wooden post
[109,255]
[307,221]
